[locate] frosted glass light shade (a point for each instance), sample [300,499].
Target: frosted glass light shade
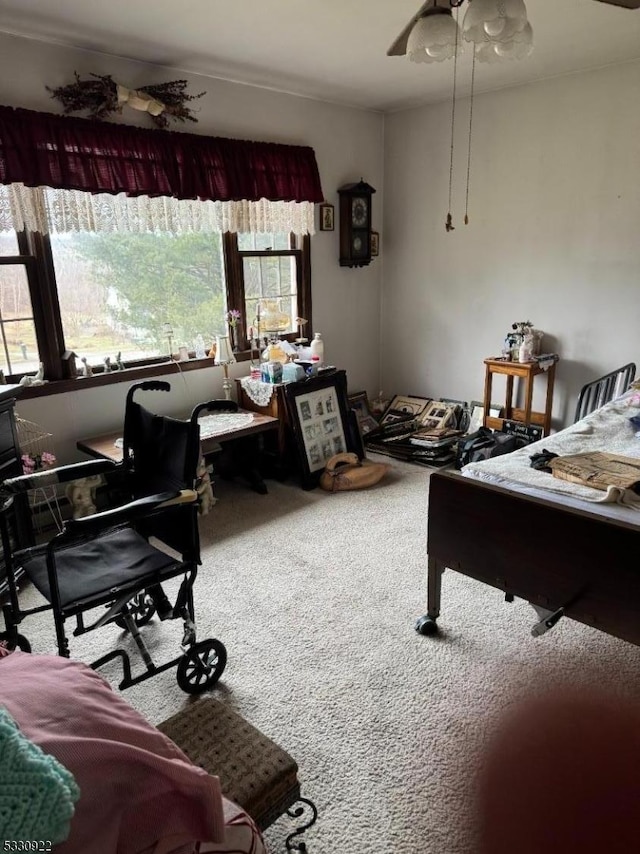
[493,20]
[434,37]
[519,47]
[224,353]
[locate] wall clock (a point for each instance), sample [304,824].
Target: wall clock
[355,224]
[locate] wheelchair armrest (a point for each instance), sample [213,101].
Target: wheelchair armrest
[138,509]
[61,474]
[217,405]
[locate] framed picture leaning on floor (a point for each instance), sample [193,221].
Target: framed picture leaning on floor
[359,403]
[323,425]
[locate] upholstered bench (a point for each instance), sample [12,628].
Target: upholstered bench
[254,771]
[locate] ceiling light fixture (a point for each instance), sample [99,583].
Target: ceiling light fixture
[498,29]
[434,37]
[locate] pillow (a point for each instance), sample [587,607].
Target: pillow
[138,791]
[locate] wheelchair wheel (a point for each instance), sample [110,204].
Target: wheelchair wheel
[141,608]
[201,666]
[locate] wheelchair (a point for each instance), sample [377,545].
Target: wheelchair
[114,562]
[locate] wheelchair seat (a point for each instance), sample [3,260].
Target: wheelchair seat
[116,560]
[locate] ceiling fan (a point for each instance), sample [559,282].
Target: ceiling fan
[399,46]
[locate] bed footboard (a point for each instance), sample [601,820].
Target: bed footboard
[552,556]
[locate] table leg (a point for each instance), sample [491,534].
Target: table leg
[528,398]
[488,379]
[551,376]
[242,457]
[508,402]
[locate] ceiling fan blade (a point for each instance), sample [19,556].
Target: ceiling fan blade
[399,47]
[628,4]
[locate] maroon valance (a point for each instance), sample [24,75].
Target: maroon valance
[65,152]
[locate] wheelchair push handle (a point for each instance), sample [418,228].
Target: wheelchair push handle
[147,385]
[152,385]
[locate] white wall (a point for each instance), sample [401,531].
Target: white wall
[348,144]
[553,234]
[554,208]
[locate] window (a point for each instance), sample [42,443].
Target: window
[273,284]
[118,189]
[110,294]
[116,291]
[18,341]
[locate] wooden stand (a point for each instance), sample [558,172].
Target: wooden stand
[276,408]
[525,371]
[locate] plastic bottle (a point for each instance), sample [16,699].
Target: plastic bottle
[317,349]
[524,353]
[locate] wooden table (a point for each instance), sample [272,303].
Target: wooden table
[104,447]
[525,371]
[281,444]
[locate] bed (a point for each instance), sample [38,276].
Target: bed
[81,771]
[567,549]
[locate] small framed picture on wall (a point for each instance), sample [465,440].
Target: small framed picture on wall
[375,243]
[326,217]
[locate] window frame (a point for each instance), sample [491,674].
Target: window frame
[299,248]
[37,258]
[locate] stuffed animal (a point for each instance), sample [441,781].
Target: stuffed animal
[81,494]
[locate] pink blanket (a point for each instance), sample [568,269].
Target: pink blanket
[138,792]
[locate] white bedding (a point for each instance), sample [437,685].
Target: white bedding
[607,429]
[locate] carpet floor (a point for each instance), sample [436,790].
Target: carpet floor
[315,596]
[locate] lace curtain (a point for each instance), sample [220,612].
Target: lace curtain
[62,211]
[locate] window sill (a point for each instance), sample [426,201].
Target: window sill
[125,376]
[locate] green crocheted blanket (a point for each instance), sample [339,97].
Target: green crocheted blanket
[37,793]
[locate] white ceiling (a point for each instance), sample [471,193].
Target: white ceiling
[334,50]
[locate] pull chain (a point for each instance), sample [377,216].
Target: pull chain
[473,80]
[449,223]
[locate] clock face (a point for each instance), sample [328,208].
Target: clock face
[359,211]
[359,246]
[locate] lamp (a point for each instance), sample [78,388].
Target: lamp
[499,29]
[494,20]
[434,37]
[224,356]
[519,46]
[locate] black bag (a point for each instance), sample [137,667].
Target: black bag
[483,445]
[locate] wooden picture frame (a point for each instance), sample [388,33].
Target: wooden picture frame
[462,410]
[359,403]
[323,424]
[476,418]
[439,414]
[375,243]
[327,217]
[404,408]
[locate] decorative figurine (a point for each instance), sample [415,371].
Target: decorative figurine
[35,379]
[107,364]
[87,370]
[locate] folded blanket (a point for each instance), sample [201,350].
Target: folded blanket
[608,429]
[37,793]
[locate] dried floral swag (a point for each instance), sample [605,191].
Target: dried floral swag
[101,96]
